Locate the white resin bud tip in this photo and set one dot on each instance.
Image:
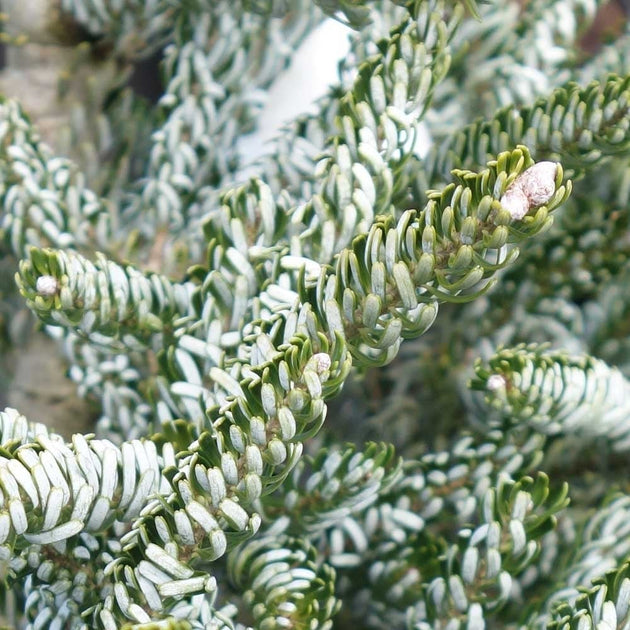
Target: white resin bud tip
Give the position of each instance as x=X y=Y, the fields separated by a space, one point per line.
x=532 y=188
x=47 y=286
x=515 y=202
x=496 y=382
x=322 y=362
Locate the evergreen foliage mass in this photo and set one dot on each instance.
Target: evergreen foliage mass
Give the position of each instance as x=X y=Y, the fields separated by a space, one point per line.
x=365 y=385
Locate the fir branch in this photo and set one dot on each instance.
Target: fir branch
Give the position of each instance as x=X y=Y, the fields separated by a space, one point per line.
x=478 y=572
x=53 y=490
x=116 y=380
x=579 y=126
x=291 y=166
x=212 y=96
x=250 y=217
x=377 y=120
x=283 y=583
x=206 y=514
x=555 y=394
x=461 y=234
x=65 y=289
x=368 y=520
x=604 y=546
x=329 y=221
x=398 y=538
x=60 y=581
x=605 y=605
x=510 y=57
x=328 y=489
x=44 y=198
x=46 y=202
x=445 y=250
x=365 y=168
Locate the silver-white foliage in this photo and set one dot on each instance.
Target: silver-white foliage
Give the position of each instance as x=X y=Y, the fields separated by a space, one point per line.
x=74 y=487
x=511 y=55
x=216 y=75
x=558 y=395
x=604 y=544
x=45 y=199
x=355 y=187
